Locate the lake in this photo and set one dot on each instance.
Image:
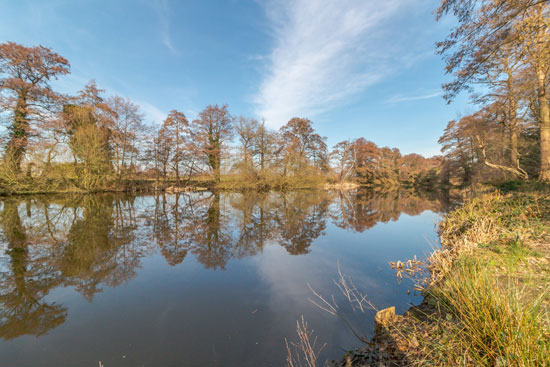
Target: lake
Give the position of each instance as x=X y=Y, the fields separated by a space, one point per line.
x=197 y=279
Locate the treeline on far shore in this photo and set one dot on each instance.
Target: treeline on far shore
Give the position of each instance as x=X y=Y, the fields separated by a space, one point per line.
x=92 y=142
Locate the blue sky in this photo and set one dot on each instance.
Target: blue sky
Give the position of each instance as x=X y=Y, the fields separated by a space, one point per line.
x=354 y=67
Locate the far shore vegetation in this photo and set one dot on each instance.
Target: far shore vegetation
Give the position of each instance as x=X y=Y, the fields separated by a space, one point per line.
x=90 y=142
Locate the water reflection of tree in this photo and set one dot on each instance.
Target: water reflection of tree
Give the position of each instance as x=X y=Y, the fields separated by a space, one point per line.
x=100 y=248
x=167 y=229
x=362 y=209
x=216 y=227
x=93 y=241
x=85 y=242
x=254 y=216
x=24 y=282
x=301 y=219
x=211 y=243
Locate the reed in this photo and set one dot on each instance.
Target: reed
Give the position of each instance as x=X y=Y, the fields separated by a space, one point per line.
x=492 y=323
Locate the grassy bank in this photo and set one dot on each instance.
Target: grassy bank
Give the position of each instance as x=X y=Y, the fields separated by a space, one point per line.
x=43 y=185
x=487 y=290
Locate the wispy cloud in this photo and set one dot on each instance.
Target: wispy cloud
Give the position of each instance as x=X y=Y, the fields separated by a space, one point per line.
x=326 y=52
x=426 y=95
x=151 y=112
x=162 y=9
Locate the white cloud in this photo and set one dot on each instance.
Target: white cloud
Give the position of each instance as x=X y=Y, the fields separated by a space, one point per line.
x=162 y=9
x=426 y=95
x=326 y=52
x=151 y=112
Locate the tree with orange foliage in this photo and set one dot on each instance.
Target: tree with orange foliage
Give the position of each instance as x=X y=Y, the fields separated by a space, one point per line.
x=303 y=145
x=26 y=94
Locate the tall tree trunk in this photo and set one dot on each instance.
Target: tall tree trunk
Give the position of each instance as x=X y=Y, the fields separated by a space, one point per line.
x=177 y=157
x=262 y=146
x=544 y=115
x=514 y=157
x=512 y=124
x=19 y=134
x=217 y=161
x=262 y=164
x=217 y=174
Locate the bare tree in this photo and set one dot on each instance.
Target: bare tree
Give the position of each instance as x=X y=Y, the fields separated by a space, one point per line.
x=247 y=131
x=177 y=127
x=209 y=131
x=128 y=125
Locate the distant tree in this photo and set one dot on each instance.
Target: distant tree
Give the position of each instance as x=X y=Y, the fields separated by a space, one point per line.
x=247 y=130
x=365 y=155
x=344 y=156
x=50 y=140
x=302 y=144
x=459 y=149
x=176 y=127
x=209 y=131
x=387 y=172
x=25 y=92
x=264 y=149
x=127 y=127
x=146 y=155
x=417 y=170
x=89 y=123
x=163 y=151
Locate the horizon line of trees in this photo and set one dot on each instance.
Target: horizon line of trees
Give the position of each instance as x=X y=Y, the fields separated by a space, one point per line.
x=94 y=142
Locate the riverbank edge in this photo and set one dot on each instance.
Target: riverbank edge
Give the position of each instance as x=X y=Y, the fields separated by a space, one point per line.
x=495 y=247
x=172 y=186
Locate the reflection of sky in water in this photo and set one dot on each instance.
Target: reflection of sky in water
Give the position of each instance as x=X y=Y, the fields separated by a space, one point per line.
x=192 y=315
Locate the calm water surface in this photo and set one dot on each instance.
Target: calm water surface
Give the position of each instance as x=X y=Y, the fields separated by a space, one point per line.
x=197 y=279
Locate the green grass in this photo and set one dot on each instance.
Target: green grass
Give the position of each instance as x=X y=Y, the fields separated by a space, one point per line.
x=497 y=321
x=488 y=294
